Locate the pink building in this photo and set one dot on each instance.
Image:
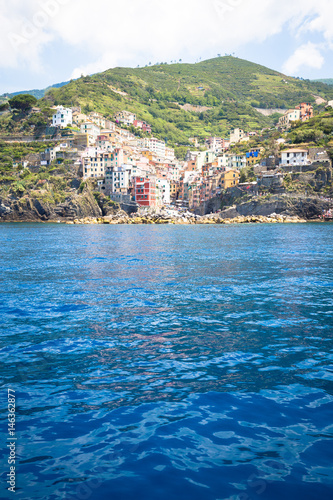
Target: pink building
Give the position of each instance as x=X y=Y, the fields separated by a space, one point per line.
x=142 y=125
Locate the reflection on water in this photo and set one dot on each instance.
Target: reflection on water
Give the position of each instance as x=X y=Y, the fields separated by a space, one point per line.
x=157 y=362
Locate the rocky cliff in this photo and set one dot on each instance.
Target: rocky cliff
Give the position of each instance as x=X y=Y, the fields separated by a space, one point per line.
x=310 y=207
x=31 y=209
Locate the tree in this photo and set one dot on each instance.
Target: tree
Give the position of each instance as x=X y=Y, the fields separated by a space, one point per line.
x=242 y=177
x=22 y=102
x=4 y=106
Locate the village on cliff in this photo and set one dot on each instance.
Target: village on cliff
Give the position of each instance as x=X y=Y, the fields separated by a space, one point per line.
x=144 y=170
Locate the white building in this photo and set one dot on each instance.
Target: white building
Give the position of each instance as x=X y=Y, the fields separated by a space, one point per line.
x=162 y=191
x=117 y=179
x=294 y=157
x=203 y=157
x=222 y=161
x=156 y=146
x=125 y=117
x=169 y=153
x=289 y=116
x=237 y=135
x=236 y=161
x=62 y=117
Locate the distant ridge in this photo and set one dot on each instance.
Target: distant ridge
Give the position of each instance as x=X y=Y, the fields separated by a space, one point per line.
x=38 y=93
x=328 y=81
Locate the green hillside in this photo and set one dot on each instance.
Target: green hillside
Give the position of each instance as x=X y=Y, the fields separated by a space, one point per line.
x=317 y=131
x=219 y=94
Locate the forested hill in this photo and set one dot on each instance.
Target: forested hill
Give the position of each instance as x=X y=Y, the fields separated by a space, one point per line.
x=182 y=100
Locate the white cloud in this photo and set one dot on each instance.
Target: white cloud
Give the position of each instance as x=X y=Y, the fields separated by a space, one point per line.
x=25 y=31
x=320 y=21
x=308 y=55
x=130 y=33
x=110 y=33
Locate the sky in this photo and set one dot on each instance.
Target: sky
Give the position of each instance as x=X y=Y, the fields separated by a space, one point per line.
x=43 y=42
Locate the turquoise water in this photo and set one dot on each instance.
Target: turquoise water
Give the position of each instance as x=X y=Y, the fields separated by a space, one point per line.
x=168 y=362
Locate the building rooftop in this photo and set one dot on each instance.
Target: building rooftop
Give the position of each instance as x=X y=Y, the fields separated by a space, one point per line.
x=296 y=150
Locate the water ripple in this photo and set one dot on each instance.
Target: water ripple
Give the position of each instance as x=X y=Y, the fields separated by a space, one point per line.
x=169 y=362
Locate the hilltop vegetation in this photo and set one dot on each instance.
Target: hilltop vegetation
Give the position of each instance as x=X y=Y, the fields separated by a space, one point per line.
x=218 y=94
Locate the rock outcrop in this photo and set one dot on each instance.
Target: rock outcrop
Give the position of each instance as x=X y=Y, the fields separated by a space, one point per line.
x=28 y=209
x=306 y=207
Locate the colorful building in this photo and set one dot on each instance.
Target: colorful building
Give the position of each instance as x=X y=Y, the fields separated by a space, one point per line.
x=306 y=111
x=142 y=125
x=253 y=157
x=145 y=191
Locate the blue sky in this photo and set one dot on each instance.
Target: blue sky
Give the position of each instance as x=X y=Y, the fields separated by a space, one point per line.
x=50 y=41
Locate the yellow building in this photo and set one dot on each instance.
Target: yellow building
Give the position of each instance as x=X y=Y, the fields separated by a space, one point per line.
x=174 y=189
x=148 y=154
x=230 y=178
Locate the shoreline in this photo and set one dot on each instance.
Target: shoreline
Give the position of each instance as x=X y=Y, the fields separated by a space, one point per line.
x=211 y=219
x=189 y=220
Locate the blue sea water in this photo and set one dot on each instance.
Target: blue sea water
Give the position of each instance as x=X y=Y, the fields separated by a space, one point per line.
x=168 y=362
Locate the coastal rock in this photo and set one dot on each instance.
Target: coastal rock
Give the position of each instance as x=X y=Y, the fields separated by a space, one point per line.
x=32 y=209
x=305 y=207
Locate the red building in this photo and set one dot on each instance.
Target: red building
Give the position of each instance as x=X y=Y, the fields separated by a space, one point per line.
x=145 y=191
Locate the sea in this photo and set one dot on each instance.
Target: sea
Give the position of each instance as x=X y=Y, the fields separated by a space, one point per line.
x=162 y=362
